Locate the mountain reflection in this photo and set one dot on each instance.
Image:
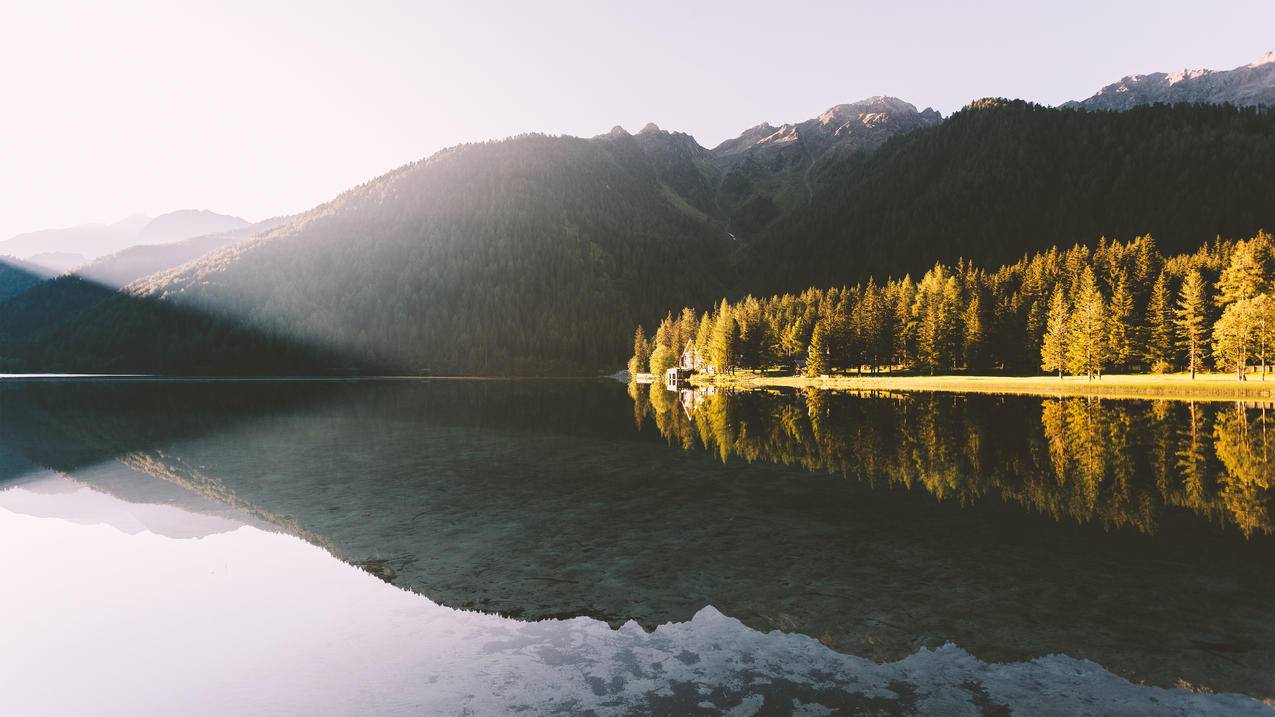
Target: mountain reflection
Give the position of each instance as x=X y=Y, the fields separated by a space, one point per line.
x=538 y=499
x=1115 y=463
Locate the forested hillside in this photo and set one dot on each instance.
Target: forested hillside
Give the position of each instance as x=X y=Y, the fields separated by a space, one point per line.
x=522 y=256
x=1002 y=178
x=18 y=276
x=537 y=255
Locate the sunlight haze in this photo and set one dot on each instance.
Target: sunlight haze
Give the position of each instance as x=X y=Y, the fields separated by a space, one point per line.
x=140 y=107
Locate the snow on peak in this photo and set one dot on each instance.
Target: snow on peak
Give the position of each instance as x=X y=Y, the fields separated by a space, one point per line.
x=1266 y=59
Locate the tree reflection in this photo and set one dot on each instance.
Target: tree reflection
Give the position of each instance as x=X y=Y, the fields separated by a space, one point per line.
x=1116 y=463
x=1241 y=445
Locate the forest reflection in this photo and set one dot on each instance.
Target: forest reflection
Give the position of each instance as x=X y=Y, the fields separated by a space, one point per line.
x=1115 y=463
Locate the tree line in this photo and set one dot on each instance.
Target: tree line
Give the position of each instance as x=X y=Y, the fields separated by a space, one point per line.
x=1118 y=307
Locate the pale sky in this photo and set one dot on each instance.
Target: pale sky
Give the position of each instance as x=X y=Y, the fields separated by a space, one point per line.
x=264 y=108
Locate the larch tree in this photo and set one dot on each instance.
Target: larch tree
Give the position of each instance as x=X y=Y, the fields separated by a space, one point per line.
x=935 y=314
x=1053 y=349
x=1191 y=320
x=1245 y=275
x=1159 y=346
x=905 y=325
x=973 y=335
x=723 y=344
x=641 y=353
x=1234 y=335
x=662 y=359
x=704 y=335
x=1264 y=330
x=1120 y=322
x=1087 y=336
x=817 y=354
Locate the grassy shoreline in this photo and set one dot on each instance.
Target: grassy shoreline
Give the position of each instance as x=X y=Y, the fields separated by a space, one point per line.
x=1205 y=387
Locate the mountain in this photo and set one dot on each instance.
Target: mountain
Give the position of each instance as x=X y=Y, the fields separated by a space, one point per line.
x=187 y=223
x=88 y=240
x=1002 y=178
x=17 y=276
x=1246 y=85
x=537 y=255
x=93 y=240
x=767 y=171
x=124 y=267
x=522 y=256
x=57 y=262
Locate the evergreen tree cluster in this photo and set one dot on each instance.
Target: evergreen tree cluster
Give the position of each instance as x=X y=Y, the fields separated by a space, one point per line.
x=1119 y=307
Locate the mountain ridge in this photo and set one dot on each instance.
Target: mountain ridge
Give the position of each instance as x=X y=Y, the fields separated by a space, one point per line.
x=1246 y=85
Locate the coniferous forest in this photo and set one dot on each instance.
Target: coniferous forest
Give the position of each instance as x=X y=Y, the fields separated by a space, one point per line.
x=537 y=255
x=1117 y=307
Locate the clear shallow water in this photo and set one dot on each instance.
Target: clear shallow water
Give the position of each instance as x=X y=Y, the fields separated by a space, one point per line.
x=195 y=544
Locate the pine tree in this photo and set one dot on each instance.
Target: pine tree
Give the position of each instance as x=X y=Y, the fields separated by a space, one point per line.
x=904 y=324
x=935 y=314
x=817 y=354
x=1053 y=350
x=704 y=335
x=973 y=334
x=723 y=344
x=870 y=321
x=1191 y=321
x=1120 y=321
x=1087 y=337
x=641 y=353
x=1159 y=346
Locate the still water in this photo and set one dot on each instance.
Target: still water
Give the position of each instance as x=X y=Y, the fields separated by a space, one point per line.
x=442 y=547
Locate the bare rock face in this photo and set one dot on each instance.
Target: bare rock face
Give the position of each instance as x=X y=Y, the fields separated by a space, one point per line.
x=768 y=170
x=1247 y=85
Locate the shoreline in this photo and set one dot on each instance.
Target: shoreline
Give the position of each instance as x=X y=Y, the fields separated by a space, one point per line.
x=1205 y=387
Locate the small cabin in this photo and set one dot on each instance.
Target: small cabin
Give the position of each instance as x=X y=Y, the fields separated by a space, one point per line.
x=690 y=359
x=677 y=377
x=695 y=361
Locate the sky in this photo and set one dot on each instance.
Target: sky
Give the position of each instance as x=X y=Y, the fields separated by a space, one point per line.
x=266 y=108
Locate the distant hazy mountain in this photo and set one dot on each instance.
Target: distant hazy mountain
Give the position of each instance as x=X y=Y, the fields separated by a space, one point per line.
x=1251 y=84
x=135 y=262
x=187 y=223
x=57 y=262
x=87 y=240
x=93 y=240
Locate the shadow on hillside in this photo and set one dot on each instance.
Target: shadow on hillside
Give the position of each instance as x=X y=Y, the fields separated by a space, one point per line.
x=69 y=324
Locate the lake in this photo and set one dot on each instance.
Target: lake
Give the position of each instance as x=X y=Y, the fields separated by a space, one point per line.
x=484 y=546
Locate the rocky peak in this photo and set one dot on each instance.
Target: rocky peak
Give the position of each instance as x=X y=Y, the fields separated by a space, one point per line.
x=1251 y=84
x=1266 y=59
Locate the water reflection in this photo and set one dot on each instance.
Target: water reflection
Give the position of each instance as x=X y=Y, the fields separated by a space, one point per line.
x=1114 y=463
x=116 y=607
x=538 y=500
